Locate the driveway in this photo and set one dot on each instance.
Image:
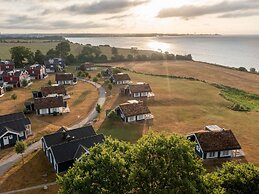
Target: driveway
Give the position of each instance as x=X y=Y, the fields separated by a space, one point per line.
x=9 y=162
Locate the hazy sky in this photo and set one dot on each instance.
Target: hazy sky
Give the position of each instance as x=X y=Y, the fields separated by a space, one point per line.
x=130 y=16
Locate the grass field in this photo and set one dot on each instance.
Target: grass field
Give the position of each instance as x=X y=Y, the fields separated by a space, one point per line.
x=202 y=71
x=36 y=170
x=83 y=99
x=183 y=106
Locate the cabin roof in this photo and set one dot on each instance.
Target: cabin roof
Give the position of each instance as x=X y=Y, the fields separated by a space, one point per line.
x=60 y=89
x=217 y=141
x=121 y=77
x=58 y=137
x=135 y=108
x=64 y=76
x=67 y=151
x=143 y=87
x=48 y=102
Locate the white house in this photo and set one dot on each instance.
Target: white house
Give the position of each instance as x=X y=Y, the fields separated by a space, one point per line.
x=65 y=79
x=215 y=142
x=133 y=111
x=138 y=90
x=50 y=105
x=120 y=79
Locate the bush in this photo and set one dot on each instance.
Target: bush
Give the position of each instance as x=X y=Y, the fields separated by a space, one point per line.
x=241 y=108
x=79 y=73
x=242 y=69
x=9 y=88
x=112 y=115
x=49 y=82
x=13 y=96
x=24 y=83
x=95 y=79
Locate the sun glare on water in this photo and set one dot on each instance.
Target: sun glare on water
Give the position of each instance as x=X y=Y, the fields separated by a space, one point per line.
x=158 y=46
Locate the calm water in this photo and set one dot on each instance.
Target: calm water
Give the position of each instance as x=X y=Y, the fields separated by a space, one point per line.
x=234 y=51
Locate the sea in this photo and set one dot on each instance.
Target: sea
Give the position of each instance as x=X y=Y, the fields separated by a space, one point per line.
x=233 y=51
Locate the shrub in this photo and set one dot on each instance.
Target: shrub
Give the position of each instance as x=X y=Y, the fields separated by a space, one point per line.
x=112 y=115
x=13 y=96
x=9 y=88
x=24 y=83
x=242 y=69
x=238 y=107
x=95 y=79
x=49 y=82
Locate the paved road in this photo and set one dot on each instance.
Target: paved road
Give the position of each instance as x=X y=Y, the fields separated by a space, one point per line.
x=9 y=162
x=30 y=188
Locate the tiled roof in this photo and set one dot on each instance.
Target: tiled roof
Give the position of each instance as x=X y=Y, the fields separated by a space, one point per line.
x=64 y=76
x=121 y=77
x=53 y=90
x=48 y=102
x=132 y=109
x=217 y=141
x=58 y=137
x=135 y=88
x=67 y=151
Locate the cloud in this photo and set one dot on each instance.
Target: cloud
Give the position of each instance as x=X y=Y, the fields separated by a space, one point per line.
x=104 y=7
x=118 y=17
x=224 y=7
x=240 y=14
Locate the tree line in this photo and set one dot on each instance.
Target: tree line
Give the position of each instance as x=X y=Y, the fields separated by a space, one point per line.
x=22 y=55
x=154 y=164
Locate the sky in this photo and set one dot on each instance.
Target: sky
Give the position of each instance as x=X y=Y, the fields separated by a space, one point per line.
x=130 y=16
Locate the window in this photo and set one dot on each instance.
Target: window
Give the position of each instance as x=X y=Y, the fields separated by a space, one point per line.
x=211 y=154
x=130 y=119
x=140 y=117
x=10 y=136
x=225 y=153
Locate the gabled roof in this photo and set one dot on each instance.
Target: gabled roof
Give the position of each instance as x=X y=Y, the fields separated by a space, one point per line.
x=11 y=117
x=58 y=137
x=64 y=76
x=217 y=141
x=49 y=102
x=60 y=89
x=34 y=66
x=66 y=151
x=121 y=77
x=133 y=109
x=80 y=151
x=143 y=87
x=4 y=129
x=17 y=125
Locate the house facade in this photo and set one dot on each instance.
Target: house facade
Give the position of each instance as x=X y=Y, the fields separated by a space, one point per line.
x=36 y=71
x=211 y=144
x=6 y=66
x=120 y=79
x=133 y=111
x=50 y=105
x=15 y=78
x=65 y=146
x=87 y=66
x=138 y=90
x=54 y=65
x=14 y=127
x=65 y=79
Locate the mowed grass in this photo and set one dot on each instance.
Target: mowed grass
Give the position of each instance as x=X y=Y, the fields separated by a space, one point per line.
x=202 y=71
x=36 y=170
x=183 y=106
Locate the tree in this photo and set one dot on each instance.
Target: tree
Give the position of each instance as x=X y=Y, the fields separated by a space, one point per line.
x=49 y=82
x=242 y=69
x=99 y=75
x=39 y=57
x=20 y=147
x=98 y=108
x=52 y=53
x=114 y=51
x=130 y=58
x=95 y=79
x=13 y=96
x=163 y=164
x=21 y=54
x=155 y=164
x=63 y=49
x=24 y=83
x=70 y=59
x=103 y=171
x=233 y=178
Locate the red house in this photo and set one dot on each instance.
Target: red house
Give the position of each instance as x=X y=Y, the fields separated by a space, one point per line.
x=36 y=71
x=15 y=78
x=6 y=66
